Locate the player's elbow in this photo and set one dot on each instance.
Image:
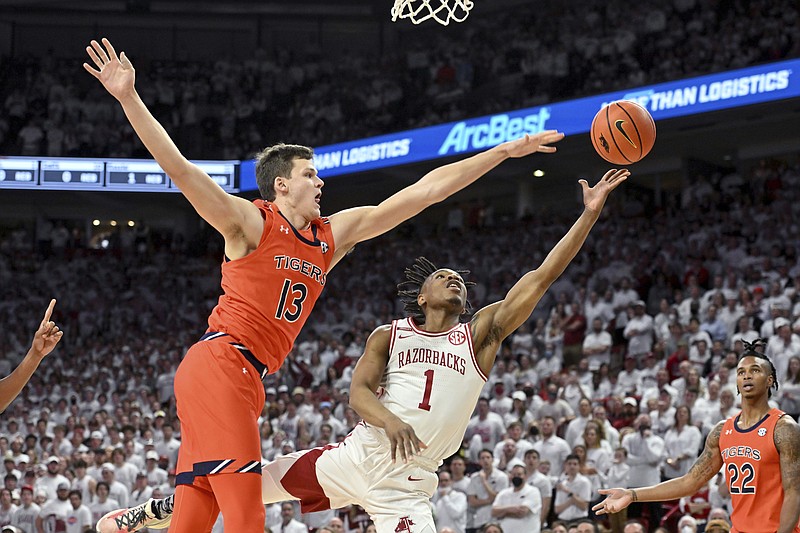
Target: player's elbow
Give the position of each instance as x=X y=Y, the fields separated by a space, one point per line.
x=180 y=170
x=360 y=394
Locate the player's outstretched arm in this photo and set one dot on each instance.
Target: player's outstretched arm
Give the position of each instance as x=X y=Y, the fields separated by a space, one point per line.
x=704 y=468
x=228 y=214
x=496 y=321
x=44 y=340
x=787 y=441
x=355 y=225
x=366 y=380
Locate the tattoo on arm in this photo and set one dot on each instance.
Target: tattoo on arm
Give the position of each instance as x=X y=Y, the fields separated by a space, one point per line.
x=787 y=441
x=709 y=462
x=493 y=336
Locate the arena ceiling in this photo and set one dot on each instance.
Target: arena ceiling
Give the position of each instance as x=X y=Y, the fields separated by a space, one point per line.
x=354 y=8
x=284 y=7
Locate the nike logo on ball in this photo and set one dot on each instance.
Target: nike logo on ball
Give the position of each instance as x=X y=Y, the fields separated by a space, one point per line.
x=624 y=133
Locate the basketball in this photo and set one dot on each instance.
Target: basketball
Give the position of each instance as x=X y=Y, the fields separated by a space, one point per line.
x=623 y=132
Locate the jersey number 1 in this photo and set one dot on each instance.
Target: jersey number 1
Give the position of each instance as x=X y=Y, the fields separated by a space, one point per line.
x=297 y=294
x=426 y=396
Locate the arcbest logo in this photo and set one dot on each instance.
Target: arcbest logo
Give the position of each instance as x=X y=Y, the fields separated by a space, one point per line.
x=495 y=130
x=704 y=93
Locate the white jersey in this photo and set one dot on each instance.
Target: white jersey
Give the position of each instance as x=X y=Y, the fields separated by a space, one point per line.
x=432 y=383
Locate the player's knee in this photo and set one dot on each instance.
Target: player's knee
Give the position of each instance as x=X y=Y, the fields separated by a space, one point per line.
x=245 y=516
x=271 y=490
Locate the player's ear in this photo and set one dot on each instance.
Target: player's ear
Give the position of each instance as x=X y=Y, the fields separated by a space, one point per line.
x=420 y=299
x=280 y=184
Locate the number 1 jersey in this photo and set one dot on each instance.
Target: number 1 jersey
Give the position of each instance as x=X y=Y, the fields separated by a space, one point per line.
x=432 y=383
x=269 y=293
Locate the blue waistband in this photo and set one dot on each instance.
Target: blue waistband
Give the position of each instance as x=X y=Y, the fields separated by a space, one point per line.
x=260 y=367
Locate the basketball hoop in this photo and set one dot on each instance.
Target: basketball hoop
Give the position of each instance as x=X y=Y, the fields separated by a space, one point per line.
x=422 y=10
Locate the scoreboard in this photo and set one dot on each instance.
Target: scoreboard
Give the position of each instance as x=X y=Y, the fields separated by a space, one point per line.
x=19 y=173
x=127 y=175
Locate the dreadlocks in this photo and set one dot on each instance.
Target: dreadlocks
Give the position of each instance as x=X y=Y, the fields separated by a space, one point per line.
x=750 y=350
x=408 y=290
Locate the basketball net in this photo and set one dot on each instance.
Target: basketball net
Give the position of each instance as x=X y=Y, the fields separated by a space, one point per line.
x=422 y=10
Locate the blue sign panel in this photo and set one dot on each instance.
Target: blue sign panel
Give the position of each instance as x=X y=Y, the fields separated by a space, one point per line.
x=763 y=83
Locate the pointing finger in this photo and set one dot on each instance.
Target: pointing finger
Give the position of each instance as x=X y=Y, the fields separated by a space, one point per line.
x=49 y=311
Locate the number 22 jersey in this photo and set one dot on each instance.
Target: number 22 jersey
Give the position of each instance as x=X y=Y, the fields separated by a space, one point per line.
x=432 y=383
x=753 y=474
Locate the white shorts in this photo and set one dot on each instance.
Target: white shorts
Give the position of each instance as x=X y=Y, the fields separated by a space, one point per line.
x=356 y=471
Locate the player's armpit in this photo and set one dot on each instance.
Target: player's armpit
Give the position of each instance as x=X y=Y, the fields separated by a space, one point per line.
x=710 y=461
x=486 y=336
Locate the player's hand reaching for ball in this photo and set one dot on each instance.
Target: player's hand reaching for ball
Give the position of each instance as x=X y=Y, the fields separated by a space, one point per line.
x=47 y=336
x=616 y=500
x=403 y=440
x=595 y=197
x=530 y=144
x=115 y=73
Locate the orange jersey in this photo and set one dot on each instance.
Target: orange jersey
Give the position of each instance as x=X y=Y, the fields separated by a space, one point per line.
x=269 y=293
x=753 y=474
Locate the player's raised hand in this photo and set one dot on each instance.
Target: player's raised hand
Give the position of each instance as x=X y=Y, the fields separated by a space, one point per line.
x=595 y=197
x=48 y=334
x=115 y=73
x=530 y=144
x=616 y=500
x=403 y=441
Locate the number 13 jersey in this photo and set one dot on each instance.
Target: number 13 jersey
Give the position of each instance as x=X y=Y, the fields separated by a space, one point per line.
x=753 y=473
x=432 y=383
x=269 y=293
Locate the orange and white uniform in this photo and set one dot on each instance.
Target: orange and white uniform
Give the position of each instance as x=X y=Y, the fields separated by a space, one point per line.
x=753 y=474
x=267 y=298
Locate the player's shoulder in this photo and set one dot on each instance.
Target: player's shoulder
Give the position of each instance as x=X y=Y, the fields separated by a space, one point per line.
x=381 y=334
x=263 y=204
x=716 y=432
x=787 y=431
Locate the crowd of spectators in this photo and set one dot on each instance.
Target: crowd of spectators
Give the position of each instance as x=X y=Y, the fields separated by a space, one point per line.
x=615 y=380
x=535 y=53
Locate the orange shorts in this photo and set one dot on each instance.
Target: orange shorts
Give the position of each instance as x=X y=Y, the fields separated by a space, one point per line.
x=220 y=396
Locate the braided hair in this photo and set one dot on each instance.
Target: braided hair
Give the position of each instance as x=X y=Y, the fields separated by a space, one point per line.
x=750 y=350
x=408 y=290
